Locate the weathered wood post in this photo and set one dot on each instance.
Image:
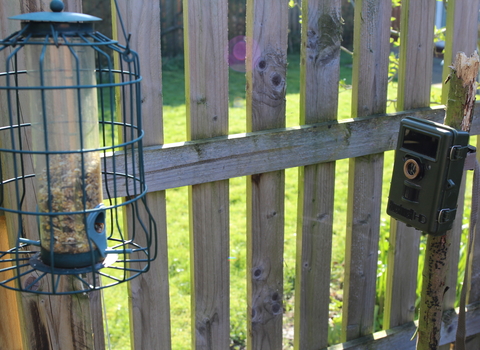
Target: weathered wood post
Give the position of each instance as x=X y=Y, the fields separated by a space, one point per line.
x=149 y=293
x=369 y=96
x=461 y=100
x=266 y=67
x=206 y=24
x=320 y=73
x=414 y=86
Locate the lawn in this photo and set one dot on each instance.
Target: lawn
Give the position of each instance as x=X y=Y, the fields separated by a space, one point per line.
x=177 y=215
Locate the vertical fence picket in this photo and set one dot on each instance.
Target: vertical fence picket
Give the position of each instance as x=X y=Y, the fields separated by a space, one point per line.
x=461 y=35
x=206 y=82
x=10 y=330
x=474 y=295
x=321 y=38
x=266 y=81
x=149 y=293
x=453 y=257
x=11 y=336
x=370 y=70
x=414 y=85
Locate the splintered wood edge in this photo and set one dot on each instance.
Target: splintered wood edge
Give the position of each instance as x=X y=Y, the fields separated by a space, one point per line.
x=466 y=68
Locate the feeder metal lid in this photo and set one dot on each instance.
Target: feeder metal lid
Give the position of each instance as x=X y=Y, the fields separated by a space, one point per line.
x=64 y=17
x=56 y=16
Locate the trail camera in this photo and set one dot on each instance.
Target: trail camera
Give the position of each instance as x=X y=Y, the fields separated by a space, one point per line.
x=427 y=174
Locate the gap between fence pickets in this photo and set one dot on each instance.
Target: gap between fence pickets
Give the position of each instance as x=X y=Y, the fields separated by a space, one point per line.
x=194 y=162
x=402 y=337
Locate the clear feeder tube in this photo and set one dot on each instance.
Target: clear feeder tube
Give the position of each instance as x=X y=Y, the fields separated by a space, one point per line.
x=64 y=115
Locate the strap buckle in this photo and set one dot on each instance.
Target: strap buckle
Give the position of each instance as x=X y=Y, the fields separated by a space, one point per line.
x=446 y=215
x=458 y=152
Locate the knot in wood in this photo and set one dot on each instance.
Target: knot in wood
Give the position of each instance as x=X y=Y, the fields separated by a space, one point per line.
x=269 y=78
x=31 y=283
x=323 y=45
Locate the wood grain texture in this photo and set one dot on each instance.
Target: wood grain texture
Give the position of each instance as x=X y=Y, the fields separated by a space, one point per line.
x=10 y=330
x=206 y=75
x=441 y=251
x=474 y=295
x=206 y=70
x=461 y=34
x=265 y=210
x=414 y=85
x=209 y=220
x=459 y=115
x=400 y=337
x=28 y=6
x=416 y=54
x=320 y=66
x=149 y=293
x=266 y=82
x=450 y=297
x=200 y=161
x=370 y=78
x=266 y=64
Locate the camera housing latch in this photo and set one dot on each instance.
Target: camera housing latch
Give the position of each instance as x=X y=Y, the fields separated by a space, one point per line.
x=446 y=215
x=458 y=152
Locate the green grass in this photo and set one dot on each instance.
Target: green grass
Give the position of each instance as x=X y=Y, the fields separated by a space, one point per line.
x=177 y=219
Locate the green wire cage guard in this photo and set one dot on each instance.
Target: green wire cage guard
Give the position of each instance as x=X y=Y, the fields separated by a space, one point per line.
x=71 y=158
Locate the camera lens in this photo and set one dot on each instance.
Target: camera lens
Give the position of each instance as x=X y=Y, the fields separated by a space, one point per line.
x=411 y=169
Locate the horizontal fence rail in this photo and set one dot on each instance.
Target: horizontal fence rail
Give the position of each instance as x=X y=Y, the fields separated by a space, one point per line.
x=205 y=160
x=401 y=337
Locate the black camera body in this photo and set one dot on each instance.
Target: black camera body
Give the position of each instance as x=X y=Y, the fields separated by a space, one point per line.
x=427 y=174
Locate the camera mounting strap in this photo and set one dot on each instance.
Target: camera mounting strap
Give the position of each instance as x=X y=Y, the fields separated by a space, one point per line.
x=446 y=215
x=458 y=152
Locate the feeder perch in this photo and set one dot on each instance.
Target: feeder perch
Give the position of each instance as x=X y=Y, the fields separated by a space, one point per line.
x=71 y=136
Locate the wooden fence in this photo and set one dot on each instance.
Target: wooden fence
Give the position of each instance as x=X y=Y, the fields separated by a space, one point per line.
x=210 y=157
x=172 y=21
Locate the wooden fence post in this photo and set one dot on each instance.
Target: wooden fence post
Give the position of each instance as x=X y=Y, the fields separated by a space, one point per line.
x=149 y=298
x=414 y=86
x=459 y=115
x=10 y=330
x=267 y=24
x=206 y=85
x=320 y=70
x=461 y=34
x=369 y=96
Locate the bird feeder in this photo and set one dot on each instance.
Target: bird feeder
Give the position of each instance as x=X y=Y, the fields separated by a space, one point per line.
x=71 y=157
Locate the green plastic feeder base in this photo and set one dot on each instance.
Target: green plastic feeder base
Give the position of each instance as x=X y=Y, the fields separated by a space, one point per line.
x=70 y=261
